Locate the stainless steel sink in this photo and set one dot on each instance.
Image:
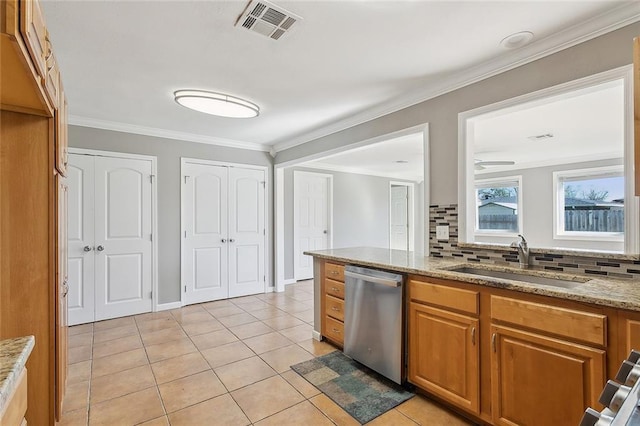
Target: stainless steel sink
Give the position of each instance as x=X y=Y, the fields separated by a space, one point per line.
x=519 y=276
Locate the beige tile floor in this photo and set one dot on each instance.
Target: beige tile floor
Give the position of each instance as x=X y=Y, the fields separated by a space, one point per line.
x=219 y=363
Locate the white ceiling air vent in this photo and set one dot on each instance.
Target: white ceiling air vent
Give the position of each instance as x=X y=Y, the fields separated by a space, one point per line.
x=267 y=19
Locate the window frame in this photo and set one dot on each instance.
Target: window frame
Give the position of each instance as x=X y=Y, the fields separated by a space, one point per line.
x=506 y=181
x=559 y=178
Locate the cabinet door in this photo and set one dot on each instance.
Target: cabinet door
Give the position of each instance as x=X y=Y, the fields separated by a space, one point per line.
x=62 y=140
x=34 y=33
x=62 y=290
x=537 y=380
x=443 y=354
x=52 y=80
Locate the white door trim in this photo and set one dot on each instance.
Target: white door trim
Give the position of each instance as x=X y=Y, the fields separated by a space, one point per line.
x=154 y=207
x=267 y=213
x=296 y=179
x=411 y=230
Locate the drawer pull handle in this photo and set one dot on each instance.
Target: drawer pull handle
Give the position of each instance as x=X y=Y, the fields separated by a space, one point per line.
x=333 y=308
x=493 y=342
x=335 y=330
x=334 y=289
x=473 y=336
x=333 y=272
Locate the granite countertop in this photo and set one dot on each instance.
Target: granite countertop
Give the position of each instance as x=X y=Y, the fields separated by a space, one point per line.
x=13 y=356
x=615 y=293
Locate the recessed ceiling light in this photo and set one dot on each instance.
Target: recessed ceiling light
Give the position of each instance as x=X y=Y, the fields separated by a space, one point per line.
x=516 y=40
x=216 y=104
x=401 y=161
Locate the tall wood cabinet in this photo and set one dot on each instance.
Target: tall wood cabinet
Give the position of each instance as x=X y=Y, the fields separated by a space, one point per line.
x=33 y=203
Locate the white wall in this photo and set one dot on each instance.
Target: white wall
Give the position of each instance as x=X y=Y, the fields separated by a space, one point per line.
x=537 y=205
x=360 y=212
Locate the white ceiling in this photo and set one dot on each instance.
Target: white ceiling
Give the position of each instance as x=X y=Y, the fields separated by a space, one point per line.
x=344 y=63
x=380 y=159
x=586 y=125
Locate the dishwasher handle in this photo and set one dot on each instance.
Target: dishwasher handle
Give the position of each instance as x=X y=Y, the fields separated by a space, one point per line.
x=369 y=278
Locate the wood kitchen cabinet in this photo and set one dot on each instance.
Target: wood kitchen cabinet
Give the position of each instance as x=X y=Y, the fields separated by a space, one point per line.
x=62 y=138
x=33 y=204
x=508 y=358
x=443 y=344
x=62 y=289
x=443 y=354
x=539 y=380
x=332 y=302
x=548 y=363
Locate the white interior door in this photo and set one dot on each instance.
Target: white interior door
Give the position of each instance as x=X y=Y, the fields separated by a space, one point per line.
x=80 y=180
x=311 y=219
x=123 y=226
x=399 y=217
x=205 y=239
x=246 y=231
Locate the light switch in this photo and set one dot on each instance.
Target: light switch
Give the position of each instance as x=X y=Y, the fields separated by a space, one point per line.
x=442 y=232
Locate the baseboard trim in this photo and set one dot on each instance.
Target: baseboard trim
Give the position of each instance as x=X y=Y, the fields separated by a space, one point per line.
x=168 y=306
x=316 y=335
x=290 y=281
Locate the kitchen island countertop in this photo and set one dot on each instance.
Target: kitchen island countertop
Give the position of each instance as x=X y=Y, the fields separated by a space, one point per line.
x=603 y=291
x=13 y=357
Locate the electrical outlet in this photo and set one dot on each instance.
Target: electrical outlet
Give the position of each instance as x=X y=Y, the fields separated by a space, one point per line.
x=442 y=232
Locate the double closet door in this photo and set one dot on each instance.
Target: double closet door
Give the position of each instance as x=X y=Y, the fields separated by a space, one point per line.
x=109 y=237
x=223 y=235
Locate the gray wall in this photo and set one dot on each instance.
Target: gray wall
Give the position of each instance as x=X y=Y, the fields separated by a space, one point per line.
x=537 y=203
x=603 y=53
x=360 y=212
x=168 y=152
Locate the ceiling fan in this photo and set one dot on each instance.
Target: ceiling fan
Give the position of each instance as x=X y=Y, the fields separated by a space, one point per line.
x=482 y=164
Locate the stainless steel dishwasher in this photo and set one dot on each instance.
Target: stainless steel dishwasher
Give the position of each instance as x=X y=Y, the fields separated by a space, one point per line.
x=373 y=320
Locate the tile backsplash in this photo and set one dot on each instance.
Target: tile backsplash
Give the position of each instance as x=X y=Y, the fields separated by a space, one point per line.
x=448 y=215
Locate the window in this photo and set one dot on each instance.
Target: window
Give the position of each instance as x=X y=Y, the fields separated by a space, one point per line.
x=498 y=206
x=589 y=204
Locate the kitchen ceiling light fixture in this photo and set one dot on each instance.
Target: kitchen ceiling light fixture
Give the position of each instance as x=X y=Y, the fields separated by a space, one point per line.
x=216 y=104
x=516 y=40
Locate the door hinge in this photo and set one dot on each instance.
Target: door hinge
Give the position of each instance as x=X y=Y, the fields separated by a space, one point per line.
x=150 y=237
x=185 y=234
x=151 y=294
x=264 y=278
x=264 y=184
x=185 y=178
x=264 y=231
x=151 y=178
x=185 y=288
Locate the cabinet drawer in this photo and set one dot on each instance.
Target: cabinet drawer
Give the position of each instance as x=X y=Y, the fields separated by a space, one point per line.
x=334 y=272
x=569 y=323
x=334 y=307
x=334 y=288
x=334 y=330
x=441 y=295
x=16 y=406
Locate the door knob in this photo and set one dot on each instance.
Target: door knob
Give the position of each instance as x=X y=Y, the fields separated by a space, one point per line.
x=87 y=248
x=224 y=240
x=99 y=248
x=325 y=232
x=231 y=240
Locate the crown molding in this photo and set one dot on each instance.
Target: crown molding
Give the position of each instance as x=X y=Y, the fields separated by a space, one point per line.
x=358 y=171
x=162 y=133
x=599 y=25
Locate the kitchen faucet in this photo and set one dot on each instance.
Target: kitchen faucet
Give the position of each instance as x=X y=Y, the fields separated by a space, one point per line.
x=523 y=251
